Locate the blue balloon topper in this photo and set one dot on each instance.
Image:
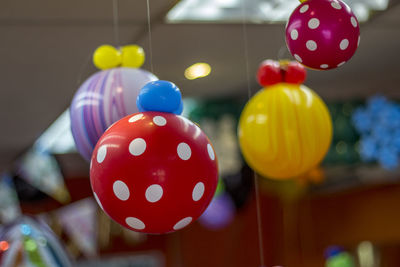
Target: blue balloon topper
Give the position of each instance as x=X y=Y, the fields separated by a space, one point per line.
x=162 y=96
x=333 y=251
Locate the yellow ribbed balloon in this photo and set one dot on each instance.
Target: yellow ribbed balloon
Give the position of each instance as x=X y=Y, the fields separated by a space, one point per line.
x=284 y=131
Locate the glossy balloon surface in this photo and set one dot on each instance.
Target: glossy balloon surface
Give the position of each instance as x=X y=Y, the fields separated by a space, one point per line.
x=322 y=34
x=295 y=73
x=269 y=73
x=132 y=56
x=106 y=57
x=284 y=131
x=154 y=172
x=102 y=99
x=163 y=96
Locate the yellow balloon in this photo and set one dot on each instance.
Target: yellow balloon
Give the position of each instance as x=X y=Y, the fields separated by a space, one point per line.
x=132 y=56
x=106 y=57
x=284 y=131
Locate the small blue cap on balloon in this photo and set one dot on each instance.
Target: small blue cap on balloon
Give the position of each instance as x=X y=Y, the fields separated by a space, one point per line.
x=162 y=96
x=333 y=251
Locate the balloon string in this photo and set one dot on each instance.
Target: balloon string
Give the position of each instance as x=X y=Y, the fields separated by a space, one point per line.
x=115 y=23
x=259 y=220
x=256 y=186
x=150 y=41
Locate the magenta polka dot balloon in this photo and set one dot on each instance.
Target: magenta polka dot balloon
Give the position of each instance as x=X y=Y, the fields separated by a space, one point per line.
x=322 y=34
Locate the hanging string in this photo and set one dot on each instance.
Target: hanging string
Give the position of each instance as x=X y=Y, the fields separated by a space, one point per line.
x=150 y=41
x=256 y=186
x=85 y=67
x=115 y=23
x=283 y=53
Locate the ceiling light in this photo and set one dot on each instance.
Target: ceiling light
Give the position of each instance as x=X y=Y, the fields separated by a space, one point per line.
x=198 y=70
x=255 y=11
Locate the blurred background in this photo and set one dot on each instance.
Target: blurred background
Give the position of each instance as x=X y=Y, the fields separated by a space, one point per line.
x=343 y=213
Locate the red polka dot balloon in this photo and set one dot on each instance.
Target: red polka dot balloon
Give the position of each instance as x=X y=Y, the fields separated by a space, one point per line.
x=154 y=172
x=322 y=34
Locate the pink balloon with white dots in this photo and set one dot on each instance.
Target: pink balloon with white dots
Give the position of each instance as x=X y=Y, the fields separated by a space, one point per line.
x=322 y=34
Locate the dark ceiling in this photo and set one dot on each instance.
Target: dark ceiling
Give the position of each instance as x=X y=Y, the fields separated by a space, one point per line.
x=46 y=47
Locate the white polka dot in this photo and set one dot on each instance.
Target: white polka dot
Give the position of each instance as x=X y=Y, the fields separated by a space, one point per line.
x=298 y=58
x=98 y=200
x=101 y=153
x=311 y=45
x=137 y=146
x=304 y=8
x=336 y=5
x=313 y=23
x=183 y=223
x=154 y=193
x=358 y=42
x=135 y=223
x=121 y=190
x=344 y=44
x=184 y=151
x=353 y=22
x=159 y=120
x=324 y=66
x=341 y=64
x=211 y=153
x=294 y=34
x=135 y=117
x=198 y=191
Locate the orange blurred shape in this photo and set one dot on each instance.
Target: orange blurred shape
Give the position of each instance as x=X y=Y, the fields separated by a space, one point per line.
x=4 y=245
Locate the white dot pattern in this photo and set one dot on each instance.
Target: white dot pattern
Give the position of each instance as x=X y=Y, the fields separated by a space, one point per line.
x=336 y=5
x=353 y=22
x=324 y=66
x=294 y=34
x=358 y=42
x=121 y=190
x=210 y=151
x=159 y=121
x=198 y=191
x=137 y=146
x=341 y=64
x=135 y=223
x=313 y=23
x=154 y=193
x=135 y=117
x=344 y=44
x=311 y=45
x=183 y=223
x=184 y=151
x=101 y=153
x=298 y=58
x=304 y=9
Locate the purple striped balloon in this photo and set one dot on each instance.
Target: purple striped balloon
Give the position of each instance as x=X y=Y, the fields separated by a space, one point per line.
x=104 y=98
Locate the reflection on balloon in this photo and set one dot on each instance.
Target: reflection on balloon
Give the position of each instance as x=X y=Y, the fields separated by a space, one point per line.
x=161 y=96
x=284 y=130
x=154 y=171
x=322 y=34
x=104 y=98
